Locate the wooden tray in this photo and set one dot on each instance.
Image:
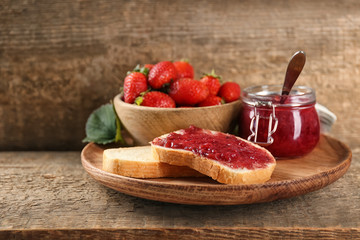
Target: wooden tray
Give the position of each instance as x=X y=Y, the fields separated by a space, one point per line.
x=328 y=162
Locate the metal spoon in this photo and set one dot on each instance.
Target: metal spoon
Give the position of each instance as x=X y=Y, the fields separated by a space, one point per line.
x=295 y=66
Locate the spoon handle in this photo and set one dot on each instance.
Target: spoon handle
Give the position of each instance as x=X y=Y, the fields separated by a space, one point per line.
x=293 y=71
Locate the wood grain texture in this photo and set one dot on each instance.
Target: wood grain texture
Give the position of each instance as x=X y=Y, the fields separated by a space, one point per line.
x=187 y=234
x=48 y=195
x=60 y=60
x=291 y=177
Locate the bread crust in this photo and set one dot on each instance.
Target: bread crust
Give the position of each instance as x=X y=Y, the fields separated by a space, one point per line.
x=144 y=169
x=213 y=168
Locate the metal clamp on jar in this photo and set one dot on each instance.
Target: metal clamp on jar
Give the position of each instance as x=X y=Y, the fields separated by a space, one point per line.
x=254 y=125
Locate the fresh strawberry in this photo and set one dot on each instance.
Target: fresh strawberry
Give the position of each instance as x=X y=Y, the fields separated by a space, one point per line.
x=156 y=99
x=162 y=73
x=134 y=84
x=188 y=91
x=149 y=66
x=211 y=100
x=230 y=91
x=212 y=81
x=184 y=69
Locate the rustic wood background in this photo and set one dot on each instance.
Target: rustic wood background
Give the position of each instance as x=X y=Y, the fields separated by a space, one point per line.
x=60 y=60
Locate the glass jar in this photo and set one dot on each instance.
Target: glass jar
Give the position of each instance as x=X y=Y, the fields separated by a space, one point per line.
x=287 y=126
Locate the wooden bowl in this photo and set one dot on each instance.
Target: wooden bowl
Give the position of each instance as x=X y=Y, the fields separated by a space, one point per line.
x=146 y=123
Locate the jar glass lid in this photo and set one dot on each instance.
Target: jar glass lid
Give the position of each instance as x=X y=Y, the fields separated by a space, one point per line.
x=299 y=95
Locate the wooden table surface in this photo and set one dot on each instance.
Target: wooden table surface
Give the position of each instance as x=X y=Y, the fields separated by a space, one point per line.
x=49 y=195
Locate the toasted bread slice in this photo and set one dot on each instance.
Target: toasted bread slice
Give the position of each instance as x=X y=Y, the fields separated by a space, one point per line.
x=218 y=170
x=138 y=162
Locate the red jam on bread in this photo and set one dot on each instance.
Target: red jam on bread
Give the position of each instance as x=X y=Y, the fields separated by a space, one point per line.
x=227 y=149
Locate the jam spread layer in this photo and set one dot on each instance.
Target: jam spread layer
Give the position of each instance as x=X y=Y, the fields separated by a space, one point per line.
x=227 y=149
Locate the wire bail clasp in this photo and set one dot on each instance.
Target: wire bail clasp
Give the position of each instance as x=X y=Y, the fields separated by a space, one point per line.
x=254 y=125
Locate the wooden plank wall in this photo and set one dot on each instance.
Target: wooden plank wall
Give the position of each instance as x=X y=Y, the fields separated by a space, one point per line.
x=59 y=60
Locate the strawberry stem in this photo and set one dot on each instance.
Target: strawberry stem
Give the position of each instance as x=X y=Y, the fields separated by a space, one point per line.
x=138 y=101
x=212 y=74
x=140 y=69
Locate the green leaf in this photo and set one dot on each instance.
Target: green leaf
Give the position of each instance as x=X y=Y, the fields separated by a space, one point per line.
x=139 y=69
x=145 y=71
x=212 y=74
x=101 y=126
x=138 y=101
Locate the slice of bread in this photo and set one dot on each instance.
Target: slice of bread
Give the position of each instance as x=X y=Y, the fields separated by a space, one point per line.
x=138 y=162
x=213 y=168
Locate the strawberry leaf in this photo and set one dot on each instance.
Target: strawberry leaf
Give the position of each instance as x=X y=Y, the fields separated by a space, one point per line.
x=165 y=88
x=212 y=74
x=140 y=69
x=145 y=71
x=138 y=101
x=137 y=68
x=103 y=126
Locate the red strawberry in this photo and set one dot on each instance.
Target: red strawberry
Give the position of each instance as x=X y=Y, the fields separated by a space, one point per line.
x=230 y=91
x=211 y=101
x=188 y=91
x=184 y=69
x=161 y=73
x=134 y=84
x=156 y=99
x=212 y=81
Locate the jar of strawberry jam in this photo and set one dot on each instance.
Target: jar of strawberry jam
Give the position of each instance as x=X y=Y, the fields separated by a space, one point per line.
x=287 y=126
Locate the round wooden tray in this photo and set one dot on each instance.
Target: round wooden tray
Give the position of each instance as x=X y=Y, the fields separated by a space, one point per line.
x=325 y=164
